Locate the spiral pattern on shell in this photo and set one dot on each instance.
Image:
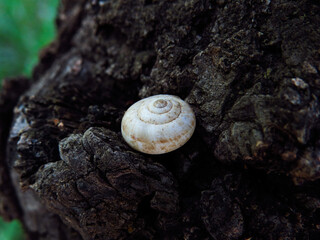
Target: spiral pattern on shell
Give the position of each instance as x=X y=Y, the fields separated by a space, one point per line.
x=158 y=124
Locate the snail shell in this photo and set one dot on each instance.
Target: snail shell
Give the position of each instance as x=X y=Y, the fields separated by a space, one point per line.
x=158 y=124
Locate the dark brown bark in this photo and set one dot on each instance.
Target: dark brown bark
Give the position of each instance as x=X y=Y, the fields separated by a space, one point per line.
x=250 y=70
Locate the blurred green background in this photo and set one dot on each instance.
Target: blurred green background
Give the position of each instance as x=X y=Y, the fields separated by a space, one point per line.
x=11 y=231
x=26 y=26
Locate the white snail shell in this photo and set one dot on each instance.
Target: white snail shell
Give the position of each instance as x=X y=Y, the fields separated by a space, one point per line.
x=158 y=124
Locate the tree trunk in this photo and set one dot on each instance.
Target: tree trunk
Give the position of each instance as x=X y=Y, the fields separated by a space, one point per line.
x=249 y=69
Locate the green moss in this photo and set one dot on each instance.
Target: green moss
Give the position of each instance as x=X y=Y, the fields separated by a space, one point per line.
x=267 y=73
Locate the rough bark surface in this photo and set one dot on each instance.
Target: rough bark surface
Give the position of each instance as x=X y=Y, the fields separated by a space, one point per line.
x=249 y=69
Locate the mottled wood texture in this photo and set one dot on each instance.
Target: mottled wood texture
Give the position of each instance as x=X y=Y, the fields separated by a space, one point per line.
x=249 y=69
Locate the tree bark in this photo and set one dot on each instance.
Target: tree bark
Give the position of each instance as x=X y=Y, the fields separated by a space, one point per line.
x=249 y=69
